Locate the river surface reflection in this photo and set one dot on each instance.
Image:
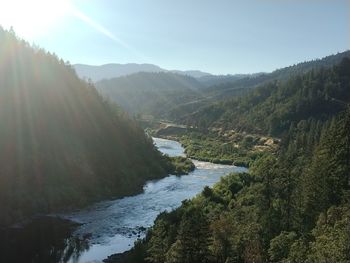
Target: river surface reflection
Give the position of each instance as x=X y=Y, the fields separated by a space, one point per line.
x=108 y=227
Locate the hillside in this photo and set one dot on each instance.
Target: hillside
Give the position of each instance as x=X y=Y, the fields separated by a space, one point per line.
x=234 y=86
x=156 y=94
x=61 y=144
x=197 y=74
x=271 y=108
x=213 y=80
x=173 y=94
x=293 y=206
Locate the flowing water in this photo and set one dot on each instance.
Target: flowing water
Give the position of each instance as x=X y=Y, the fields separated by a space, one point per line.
x=113 y=226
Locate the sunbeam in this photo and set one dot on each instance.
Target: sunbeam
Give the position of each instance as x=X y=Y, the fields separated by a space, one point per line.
x=32 y=18
x=101 y=29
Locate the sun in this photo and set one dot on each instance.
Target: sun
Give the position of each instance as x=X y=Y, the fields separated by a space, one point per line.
x=31 y=18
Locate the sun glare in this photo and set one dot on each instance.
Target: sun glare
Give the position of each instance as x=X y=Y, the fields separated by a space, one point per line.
x=30 y=18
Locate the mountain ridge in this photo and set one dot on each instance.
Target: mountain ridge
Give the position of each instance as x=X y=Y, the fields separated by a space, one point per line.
x=115 y=70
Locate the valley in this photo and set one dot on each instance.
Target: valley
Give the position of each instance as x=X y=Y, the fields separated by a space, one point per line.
x=226 y=141
x=291 y=128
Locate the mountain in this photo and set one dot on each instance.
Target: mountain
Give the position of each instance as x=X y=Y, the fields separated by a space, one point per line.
x=156 y=94
x=272 y=107
x=61 y=144
x=165 y=94
x=109 y=71
x=192 y=73
x=218 y=89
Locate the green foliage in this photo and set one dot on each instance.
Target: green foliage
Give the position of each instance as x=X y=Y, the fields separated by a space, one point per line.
x=191 y=245
x=217 y=148
x=299 y=250
x=328 y=175
x=159 y=243
x=280 y=245
x=222 y=243
x=331 y=236
x=179 y=165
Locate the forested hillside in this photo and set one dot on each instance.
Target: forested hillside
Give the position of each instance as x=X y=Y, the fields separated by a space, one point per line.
x=156 y=94
x=169 y=95
x=61 y=143
x=292 y=206
x=273 y=107
x=218 y=90
x=242 y=85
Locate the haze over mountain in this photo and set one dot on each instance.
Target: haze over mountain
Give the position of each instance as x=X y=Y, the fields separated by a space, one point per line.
x=114 y=70
x=174 y=95
x=109 y=71
x=150 y=93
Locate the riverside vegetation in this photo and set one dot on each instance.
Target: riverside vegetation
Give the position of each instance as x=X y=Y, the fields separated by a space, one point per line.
x=214 y=144
x=292 y=206
x=222 y=147
x=179 y=165
x=227 y=147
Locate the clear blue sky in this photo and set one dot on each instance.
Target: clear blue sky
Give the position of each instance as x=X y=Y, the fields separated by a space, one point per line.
x=222 y=36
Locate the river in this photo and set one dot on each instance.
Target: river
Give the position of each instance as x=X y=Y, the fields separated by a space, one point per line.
x=108 y=227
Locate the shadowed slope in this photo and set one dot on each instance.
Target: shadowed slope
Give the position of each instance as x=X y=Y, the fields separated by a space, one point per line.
x=61 y=144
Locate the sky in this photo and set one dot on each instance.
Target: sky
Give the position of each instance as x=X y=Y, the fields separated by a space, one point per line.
x=220 y=37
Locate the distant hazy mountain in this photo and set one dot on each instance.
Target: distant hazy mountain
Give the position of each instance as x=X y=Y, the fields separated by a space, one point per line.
x=109 y=71
x=149 y=93
x=211 y=80
x=193 y=73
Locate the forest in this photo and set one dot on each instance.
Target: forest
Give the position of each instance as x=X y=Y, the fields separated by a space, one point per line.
x=293 y=205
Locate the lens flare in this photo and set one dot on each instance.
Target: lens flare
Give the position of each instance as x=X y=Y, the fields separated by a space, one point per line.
x=32 y=18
